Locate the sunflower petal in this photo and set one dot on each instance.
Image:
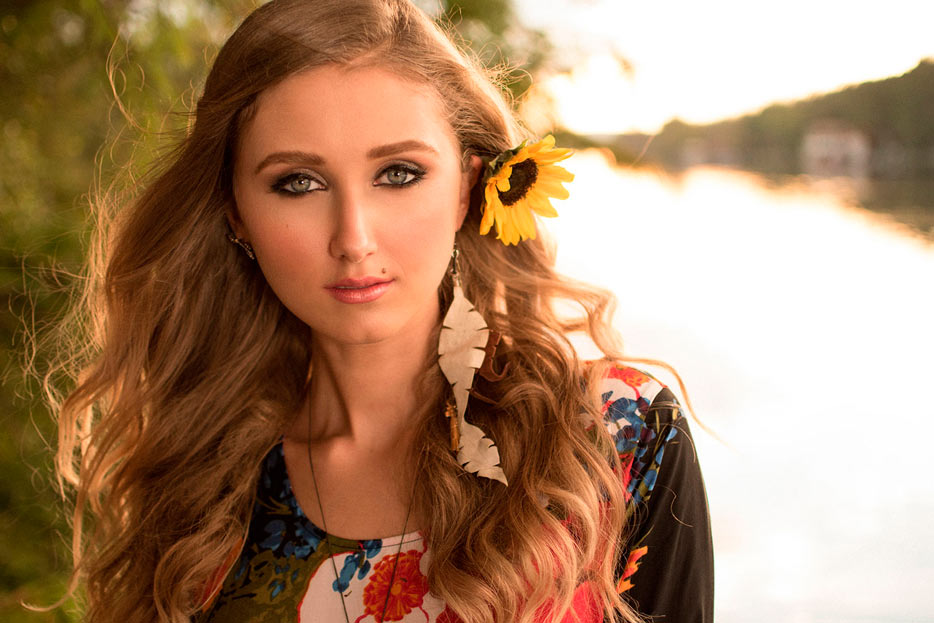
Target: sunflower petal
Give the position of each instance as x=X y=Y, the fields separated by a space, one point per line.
x=515 y=234
x=491 y=207
x=548 y=142
x=555 y=172
x=554 y=155
x=546 y=210
x=541 y=204
x=522 y=154
x=552 y=189
x=525 y=222
x=502 y=183
x=502 y=230
x=510 y=234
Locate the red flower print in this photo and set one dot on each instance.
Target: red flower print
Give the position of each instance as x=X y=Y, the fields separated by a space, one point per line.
x=584 y=608
x=214 y=583
x=406 y=593
x=632 y=564
x=448 y=616
x=631 y=377
x=625 y=465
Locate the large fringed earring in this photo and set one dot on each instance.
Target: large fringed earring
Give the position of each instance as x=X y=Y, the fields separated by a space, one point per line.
x=461 y=350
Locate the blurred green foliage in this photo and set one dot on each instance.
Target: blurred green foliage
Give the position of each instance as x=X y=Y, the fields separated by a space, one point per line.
x=493 y=32
x=60 y=131
x=56 y=115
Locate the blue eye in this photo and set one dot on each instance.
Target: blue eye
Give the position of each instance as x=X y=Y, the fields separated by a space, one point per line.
x=296 y=184
x=400 y=175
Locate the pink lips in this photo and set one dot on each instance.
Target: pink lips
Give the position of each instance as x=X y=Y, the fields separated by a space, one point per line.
x=361 y=290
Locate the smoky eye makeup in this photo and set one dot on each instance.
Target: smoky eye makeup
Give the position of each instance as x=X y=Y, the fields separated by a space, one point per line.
x=395 y=175
x=400 y=175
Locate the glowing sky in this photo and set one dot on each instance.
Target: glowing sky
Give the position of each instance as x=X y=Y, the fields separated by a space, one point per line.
x=703 y=61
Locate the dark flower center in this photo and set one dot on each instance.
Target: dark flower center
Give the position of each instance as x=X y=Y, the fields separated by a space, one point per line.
x=521 y=179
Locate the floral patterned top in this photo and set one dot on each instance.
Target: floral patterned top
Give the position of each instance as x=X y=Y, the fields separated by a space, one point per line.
x=285 y=573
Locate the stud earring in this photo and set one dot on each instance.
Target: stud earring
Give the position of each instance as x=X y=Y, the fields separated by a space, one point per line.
x=243 y=244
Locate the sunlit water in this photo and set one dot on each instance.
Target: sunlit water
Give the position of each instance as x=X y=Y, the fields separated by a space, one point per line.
x=803 y=328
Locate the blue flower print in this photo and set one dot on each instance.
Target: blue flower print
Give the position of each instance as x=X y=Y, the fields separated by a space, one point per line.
x=275 y=530
x=276 y=587
x=342 y=582
x=357 y=561
x=308 y=539
x=372 y=547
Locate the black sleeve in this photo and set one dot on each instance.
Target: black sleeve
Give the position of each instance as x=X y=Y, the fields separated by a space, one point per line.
x=666 y=569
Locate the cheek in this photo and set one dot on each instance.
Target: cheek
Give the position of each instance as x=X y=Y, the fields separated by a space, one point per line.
x=425 y=260
x=292 y=257
x=426 y=237
x=286 y=249
x=278 y=235
x=283 y=231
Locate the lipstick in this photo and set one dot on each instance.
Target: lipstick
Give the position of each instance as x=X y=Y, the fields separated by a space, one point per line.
x=363 y=290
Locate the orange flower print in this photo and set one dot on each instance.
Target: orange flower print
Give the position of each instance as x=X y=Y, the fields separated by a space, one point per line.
x=406 y=593
x=632 y=564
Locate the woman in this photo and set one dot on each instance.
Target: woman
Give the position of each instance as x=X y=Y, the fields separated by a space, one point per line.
x=284 y=419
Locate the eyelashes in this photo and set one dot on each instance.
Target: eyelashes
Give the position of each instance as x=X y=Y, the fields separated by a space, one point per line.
x=396 y=176
x=411 y=175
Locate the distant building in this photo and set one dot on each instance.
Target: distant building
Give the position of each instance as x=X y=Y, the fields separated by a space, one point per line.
x=833 y=147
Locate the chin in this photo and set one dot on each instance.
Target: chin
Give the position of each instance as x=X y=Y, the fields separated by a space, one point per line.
x=408 y=328
x=358 y=333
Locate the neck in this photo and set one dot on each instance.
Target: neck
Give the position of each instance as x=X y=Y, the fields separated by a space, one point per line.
x=368 y=394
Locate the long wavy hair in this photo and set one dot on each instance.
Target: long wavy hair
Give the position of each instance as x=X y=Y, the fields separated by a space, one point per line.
x=191 y=368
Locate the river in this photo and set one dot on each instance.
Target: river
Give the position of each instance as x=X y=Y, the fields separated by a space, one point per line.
x=802 y=325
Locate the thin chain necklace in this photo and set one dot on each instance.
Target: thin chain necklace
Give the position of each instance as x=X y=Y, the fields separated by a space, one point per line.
x=327 y=535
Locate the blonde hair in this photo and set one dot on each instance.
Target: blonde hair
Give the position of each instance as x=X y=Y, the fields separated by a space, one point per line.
x=192 y=367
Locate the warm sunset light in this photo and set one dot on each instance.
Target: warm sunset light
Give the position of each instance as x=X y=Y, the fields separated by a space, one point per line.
x=706 y=61
x=753 y=181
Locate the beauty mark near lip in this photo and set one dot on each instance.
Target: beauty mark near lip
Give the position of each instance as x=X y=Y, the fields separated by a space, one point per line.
x=358 y=290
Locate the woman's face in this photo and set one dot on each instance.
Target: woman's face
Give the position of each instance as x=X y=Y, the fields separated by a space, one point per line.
x=349 y=185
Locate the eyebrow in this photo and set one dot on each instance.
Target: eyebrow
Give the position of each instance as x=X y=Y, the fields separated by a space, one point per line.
x=314 y=159
x=395 y=148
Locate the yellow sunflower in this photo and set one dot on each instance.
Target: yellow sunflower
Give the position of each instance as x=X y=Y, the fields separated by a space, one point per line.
x=522 y=181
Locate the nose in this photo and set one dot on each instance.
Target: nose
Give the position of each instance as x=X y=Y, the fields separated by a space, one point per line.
x=352 y=239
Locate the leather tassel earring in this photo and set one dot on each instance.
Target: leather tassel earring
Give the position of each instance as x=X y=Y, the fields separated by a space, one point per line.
x=450 y=412
x=464 y=335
